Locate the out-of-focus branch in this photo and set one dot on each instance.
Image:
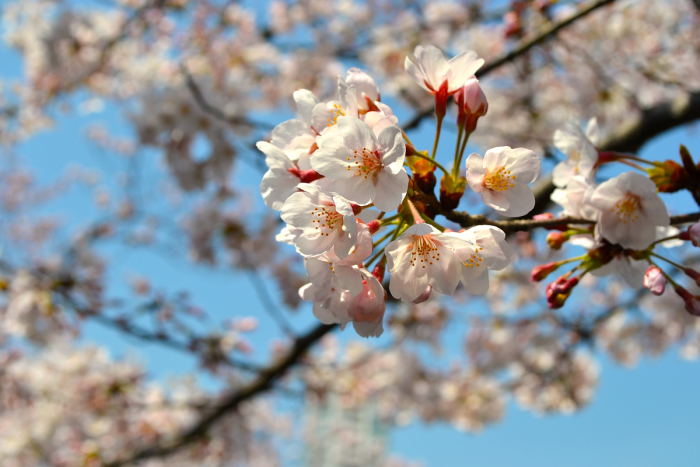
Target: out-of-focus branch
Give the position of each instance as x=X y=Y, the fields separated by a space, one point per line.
x=215 y=112
x=145 y=335
x=524 y=46
x=262 y=383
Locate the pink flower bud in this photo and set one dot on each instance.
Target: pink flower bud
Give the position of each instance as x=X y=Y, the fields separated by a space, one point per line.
x=694 y=234
x=424 y=296
x=654 y=280
x=472 y=98
x=556 y=239
x=558 y=291
x=542 y=271
x=692 y=302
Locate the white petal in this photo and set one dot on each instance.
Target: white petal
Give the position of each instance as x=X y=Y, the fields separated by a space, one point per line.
x=463 y=67
x=524 y=164
x=521 y=199
x=357 y=134
x=415 y=73
x=305 y=101
x=432 y=62
x=475 y=172
x=390 y=190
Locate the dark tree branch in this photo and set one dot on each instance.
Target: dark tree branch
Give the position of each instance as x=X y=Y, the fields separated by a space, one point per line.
x=262 y=383
x=521 y=49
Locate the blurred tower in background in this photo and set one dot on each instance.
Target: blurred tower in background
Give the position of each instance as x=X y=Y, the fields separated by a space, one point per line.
x=344 y=437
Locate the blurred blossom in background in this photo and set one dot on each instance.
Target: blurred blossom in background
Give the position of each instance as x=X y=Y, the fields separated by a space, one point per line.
x=166 y=298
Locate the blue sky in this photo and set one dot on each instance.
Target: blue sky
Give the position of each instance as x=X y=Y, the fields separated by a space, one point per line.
x=648 y=416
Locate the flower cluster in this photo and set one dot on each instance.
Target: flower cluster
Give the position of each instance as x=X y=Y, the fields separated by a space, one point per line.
x=341 y=157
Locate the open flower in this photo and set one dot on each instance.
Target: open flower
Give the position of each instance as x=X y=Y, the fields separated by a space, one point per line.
x=629 y=210
x=366 y=88
x=431 y=69
x=501 y=177
x=579 y=149
x=486 y=249
x=364 y=168
x=325 y=115
x=326 y=221
x=296 y=137
x=420 y=257
x=631 y=270
x=278 y=183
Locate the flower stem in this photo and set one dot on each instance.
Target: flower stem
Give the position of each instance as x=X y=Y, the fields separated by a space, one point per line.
x=682 y=268
x=455 y=167
x=428 y=220
x=438 y=130
x=663 y=240
x=434 y=162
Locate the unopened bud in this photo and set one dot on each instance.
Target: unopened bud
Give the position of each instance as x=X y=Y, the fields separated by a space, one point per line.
x=692 y=302
x=373 y=226
x=669 y=176
x=543 y=270
x=693 y=274
x=423 y=296
x=556 y=239
x=654 y=280
x=558 y=291
x=451 y=191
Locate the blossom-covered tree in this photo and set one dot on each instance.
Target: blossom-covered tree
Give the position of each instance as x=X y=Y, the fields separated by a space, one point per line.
x=349 y=224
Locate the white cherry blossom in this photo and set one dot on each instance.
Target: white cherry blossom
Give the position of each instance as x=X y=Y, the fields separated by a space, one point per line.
x=579 y=149
x=431 y=69
x=486 y=250
x=365 y=168
x=631 y=270
x=420 y=257
x=366 y=88
x=325 y=115
x=574 y=198
x=278 y=183
x=629 y=210
x=501 y=177
x=325 y=219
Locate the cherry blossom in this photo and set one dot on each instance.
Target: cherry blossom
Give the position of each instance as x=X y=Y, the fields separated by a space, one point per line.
x=487 y=250
x=365 y=168
x=472 y=99
x=431 y=71
x=580 y=151
x=501 y=177
x=366 y=88
x=629 y=210
x=423 y=256
x=325 y=219
x=279 y=182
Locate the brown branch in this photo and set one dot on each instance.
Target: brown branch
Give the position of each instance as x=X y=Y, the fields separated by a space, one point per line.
x=262 y=383
x=467 y=220
x=522 y=48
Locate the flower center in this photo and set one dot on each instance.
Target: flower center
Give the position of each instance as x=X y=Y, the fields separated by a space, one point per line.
x=575 y=157
x=627 y=208
x=367 y=163
x=424 y=249
x=327 y=220
x=336 y=111
x=499 y=180
x=474 y=260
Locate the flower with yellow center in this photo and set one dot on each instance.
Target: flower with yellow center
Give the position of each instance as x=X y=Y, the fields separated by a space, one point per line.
x=502 y=178
x=629 y=210
x=364 y=167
